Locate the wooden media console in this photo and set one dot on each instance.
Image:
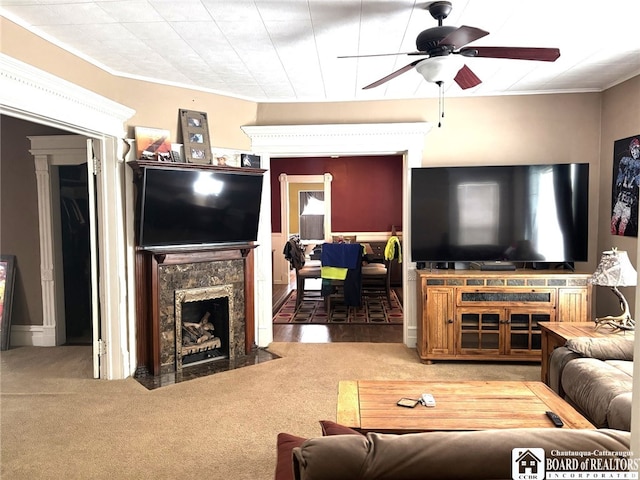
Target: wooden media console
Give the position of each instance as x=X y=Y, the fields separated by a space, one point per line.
x=494 y=315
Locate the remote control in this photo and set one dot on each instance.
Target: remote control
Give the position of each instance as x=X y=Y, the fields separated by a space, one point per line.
x=557 y=421
x=427 y=400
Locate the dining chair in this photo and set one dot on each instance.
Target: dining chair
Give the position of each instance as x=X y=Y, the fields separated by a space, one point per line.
x=376 y=278
x=341 y=273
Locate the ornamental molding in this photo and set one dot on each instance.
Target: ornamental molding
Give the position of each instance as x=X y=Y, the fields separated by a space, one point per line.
x=26 y=91
x=347 y=138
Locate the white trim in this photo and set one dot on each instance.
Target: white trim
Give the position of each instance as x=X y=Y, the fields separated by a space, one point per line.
x=37 y=96
x=26 y=91
x=356 y=139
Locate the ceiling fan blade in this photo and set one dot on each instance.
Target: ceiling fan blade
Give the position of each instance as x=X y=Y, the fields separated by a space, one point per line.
x=393 y=75
x=515 y=53
x=463 y=35
x=382 y=54
x=465 y=78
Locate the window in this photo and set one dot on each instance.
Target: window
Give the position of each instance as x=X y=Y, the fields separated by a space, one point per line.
x=311 y=215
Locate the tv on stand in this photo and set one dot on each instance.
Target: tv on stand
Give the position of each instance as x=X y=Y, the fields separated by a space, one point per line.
x=500 y=217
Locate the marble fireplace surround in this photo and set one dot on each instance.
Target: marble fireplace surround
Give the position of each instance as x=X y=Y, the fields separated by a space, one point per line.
x=174 y=273
x=226 y=274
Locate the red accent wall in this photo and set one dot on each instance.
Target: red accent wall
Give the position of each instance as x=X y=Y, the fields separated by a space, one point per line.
x=366 y=192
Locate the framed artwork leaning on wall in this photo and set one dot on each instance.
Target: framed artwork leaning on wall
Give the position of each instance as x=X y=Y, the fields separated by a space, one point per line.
x=7 y=281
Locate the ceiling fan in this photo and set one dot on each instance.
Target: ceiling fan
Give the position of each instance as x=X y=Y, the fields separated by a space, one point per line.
x=444 y=47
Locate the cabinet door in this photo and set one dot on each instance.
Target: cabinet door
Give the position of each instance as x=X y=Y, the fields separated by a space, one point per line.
x=523 y=335
x=574 y=305
x=439 y=324
x=479 y=330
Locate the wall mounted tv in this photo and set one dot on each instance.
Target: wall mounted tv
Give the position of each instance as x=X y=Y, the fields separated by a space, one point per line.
x=180 y=207
x=515 y=213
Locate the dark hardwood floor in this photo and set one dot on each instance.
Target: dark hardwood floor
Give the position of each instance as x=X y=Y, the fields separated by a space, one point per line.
x=330 y=333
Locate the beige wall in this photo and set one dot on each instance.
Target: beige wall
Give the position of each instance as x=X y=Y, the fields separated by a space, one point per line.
x=19 y=214
x=488 y=130
x=620 y=119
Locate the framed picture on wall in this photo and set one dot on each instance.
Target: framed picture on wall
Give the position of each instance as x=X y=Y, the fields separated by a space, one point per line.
x=625 y=186
x=195 y=136
x=7 y=280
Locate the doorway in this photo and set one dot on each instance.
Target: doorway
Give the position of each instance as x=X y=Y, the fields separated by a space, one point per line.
x=74 y=225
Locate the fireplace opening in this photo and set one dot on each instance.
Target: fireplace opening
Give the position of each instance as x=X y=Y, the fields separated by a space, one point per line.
x=204 y=331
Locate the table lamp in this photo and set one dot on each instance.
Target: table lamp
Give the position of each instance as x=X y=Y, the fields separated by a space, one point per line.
x=615 y=270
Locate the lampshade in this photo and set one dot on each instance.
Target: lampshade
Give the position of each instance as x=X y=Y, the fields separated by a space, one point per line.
x=440 y=69
x=615 y=270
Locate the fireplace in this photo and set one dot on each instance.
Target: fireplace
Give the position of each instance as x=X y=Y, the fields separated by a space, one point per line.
x=193 y=306
x=203 y=325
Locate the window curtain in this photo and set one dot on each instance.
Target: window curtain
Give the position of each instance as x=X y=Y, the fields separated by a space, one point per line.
x=311 y=215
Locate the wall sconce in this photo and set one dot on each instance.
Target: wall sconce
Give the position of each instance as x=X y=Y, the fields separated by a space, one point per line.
x=615 y=270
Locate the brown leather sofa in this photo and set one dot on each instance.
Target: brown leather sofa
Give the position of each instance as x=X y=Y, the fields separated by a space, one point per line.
x=488 y=454
x=595 y=375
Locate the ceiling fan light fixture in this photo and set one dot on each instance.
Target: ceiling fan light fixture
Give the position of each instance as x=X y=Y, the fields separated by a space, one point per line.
x=440 y=69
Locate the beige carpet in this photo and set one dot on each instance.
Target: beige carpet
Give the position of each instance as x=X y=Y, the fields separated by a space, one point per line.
x=56 y=422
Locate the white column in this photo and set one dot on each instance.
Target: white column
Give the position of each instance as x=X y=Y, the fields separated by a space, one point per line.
x=47 y=280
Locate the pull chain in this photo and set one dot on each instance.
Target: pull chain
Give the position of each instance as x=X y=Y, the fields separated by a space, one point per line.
x=440 y=103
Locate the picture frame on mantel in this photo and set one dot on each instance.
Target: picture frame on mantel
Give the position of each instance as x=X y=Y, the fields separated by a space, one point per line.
x=7 y=281
x=151 y=143
x=195 y=136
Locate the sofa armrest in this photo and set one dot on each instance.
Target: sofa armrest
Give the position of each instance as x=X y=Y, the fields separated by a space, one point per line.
x=603 y=348
x=557 y=361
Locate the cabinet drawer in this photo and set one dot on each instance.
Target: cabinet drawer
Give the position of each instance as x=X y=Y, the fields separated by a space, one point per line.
x=544 y=297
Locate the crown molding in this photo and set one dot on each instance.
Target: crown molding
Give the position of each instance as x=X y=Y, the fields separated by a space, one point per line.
x=342 y=138
x=30 y=93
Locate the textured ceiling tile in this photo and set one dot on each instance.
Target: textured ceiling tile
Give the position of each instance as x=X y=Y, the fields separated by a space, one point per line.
x=283 y=50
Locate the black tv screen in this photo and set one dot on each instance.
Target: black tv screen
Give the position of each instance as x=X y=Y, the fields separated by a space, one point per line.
x=198 y=207
x=517 y=213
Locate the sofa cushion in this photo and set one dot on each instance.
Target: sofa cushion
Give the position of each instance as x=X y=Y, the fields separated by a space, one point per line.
x=603 y=348
x=591 y=385
x=285 y=444
x=330 y=428
x=625 y=366
x=439 y=455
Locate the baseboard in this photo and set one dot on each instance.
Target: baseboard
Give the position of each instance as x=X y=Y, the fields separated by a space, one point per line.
x=27 y=336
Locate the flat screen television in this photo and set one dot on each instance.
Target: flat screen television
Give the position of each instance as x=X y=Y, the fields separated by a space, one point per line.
x=182 y=207
x=514 y=213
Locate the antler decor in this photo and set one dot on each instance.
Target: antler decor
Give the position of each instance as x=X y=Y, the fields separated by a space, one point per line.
x=615 y=270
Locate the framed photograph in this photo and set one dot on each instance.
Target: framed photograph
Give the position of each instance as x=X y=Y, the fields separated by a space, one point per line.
x=225 y=157
x=625 y=186
x=249 y=160
x=7 y=280
x=177 y=153
x=195 y=136
x=150 y=142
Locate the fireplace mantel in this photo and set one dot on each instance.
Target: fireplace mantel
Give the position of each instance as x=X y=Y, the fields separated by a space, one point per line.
x=161 y=271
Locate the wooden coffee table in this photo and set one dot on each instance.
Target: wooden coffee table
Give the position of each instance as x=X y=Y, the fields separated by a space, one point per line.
x=370 y=406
